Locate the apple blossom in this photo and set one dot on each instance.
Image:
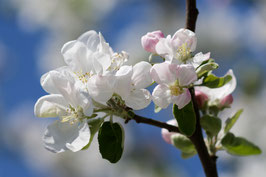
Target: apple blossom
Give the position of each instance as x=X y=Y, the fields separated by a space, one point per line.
x=95 y=63
x=150 y=40
x=70 y=102
x=220 y=96
x=173 y=81
x=177 y=49
x=131 y=83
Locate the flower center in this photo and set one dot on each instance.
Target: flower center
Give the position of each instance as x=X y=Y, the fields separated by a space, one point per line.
x=175 y=88
x=74 y=115
x=183 y=53
x=83 y=77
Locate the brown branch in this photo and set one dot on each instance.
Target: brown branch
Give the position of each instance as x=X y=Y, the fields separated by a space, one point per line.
x=208 y=162
x=170 y=128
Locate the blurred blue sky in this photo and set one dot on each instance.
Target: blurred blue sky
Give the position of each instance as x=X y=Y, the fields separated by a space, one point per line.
x=26 y=52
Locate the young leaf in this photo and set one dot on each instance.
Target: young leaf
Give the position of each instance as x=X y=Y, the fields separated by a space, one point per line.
x=186 y=155
x=186 y=118
x=203 y=69
x=229 y=123
x=183 y=143
x=94 y=126
x=111 y=141
x=239 y=146
x=212 y=125
x=213 y=81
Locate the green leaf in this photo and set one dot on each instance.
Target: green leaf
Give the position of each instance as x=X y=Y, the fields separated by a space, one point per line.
x=213 y=81
x=229 y=123
x=206 y=61
x=239 y=146
x=186 y=118
x=157 y=108
x=212 y=125
x=186 y=155
x=183 y=143
x=205 y=68
x=111 y=141
x=94 y=126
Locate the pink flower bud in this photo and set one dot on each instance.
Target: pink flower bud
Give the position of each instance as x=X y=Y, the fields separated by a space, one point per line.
x=201 y=98
x=150 y=40
x=166 y=134
x=226 y=101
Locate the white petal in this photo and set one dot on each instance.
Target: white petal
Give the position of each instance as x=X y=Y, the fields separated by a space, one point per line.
x=75 y=55
x=101 y=88
x=183 y=36
x=164 y=73
x=182 y=99
x=165 y=49
x=141 y=77
x=161 y=96
x=186 y=75
x=138 y=99
x=123 y=84
x=199 y=58
x=60 y=137
x=220 y=93
x=90 y=39
x=50 y=106
x=101 y=62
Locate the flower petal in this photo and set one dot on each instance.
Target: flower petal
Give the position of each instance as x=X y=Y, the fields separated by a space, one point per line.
x=138 y=99
x=182 y=99
x=166 y=134
x=164 y=73
x=161 y=96
x=184 y=36
x=186 y=75
x=50 y=106
x=199 y=58
x=141 y=77
x=60 y=137
x=90 y=39
x=123 y=84
x=101 y=88
x=165 y=49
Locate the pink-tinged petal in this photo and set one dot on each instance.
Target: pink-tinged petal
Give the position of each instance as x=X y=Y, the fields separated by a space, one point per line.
x=60 y=137
x=201 y=98
x=101 y=88
x=123 y=84
x=182 y=99
x=161 y=96
x=164 y=73
x=165 y=49
x=186 y=75
x=227 y=101
x=166 y=134
x=150 y=40
x=141 y=77
x=50 y=106
x=138 y=99
x=184 y=36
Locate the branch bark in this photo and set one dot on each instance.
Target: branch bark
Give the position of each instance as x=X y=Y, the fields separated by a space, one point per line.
x=208 y=162
x=170 y=128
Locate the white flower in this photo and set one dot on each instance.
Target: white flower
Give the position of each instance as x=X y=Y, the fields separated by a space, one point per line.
x=173 y=81
x=95 y=63
x=177 y=49
x=131 y=83
x=217 y=95
x=68 y=101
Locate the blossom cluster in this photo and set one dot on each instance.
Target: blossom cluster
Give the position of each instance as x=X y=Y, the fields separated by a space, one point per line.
x=96 y=79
